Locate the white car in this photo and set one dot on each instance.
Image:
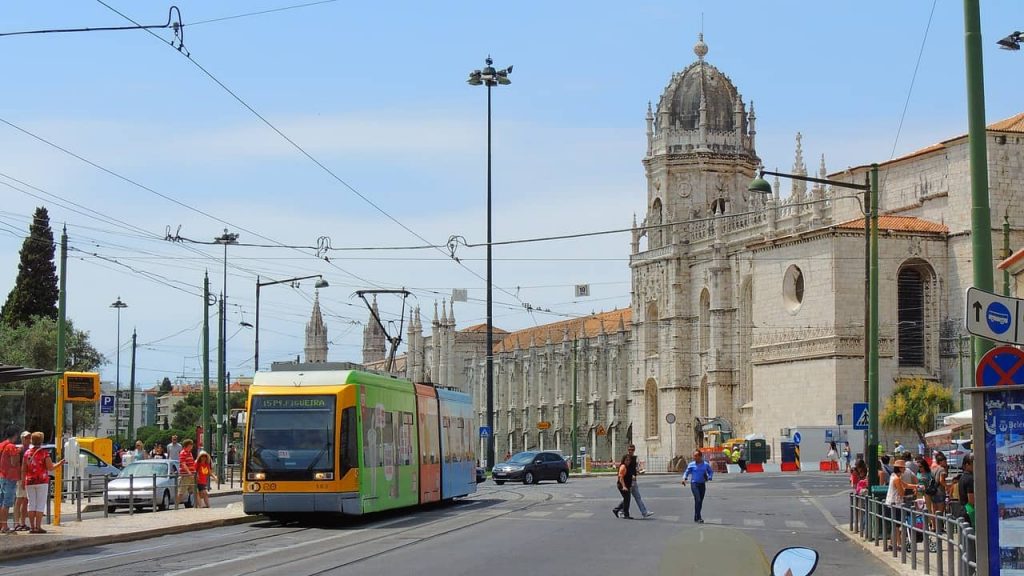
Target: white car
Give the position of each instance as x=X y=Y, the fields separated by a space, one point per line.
x=135 y=486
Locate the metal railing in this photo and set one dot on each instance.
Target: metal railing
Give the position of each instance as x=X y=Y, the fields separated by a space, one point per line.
x=942 y=544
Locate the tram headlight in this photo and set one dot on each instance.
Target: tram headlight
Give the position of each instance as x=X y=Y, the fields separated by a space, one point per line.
x=257 y=476
x=323 y=476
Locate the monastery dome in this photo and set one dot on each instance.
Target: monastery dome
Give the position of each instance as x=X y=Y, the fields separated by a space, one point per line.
x=683 y=96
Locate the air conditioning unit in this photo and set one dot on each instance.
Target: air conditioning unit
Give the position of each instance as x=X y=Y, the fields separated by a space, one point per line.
x=785 y=432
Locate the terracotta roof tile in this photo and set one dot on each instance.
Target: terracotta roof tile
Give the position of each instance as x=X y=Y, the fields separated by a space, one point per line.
x=483 y=328
x=590 y=326
x=1011 y=124
x=1012 y=262
x=899 y=224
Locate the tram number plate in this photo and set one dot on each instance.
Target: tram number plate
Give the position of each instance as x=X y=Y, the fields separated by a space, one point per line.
x=262 y=487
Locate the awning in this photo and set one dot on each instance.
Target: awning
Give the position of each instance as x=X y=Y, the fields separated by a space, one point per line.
x=961 y=417
x=943 y=436
x=12 y=373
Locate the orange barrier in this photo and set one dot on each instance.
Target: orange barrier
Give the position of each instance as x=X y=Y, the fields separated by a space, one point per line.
x=828 y=465
x=790 y=467
x=751 y=467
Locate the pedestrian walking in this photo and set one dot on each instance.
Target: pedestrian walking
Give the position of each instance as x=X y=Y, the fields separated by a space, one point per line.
x=846 y=456
x=36 y=469
x=699 y=472
x=634 y=490
x=173 y=449
x=625 y=484
x=833 y=457
x=186 y=470
x=899 y=484
x=965 y=489
x=204 y=472
x=741 y=457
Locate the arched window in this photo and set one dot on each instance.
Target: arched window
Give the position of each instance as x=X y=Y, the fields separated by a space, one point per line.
x=651 y=406
x=705 y=320
x=651 y=332
x=911 y=317
x=704 y=401
x=656 y=233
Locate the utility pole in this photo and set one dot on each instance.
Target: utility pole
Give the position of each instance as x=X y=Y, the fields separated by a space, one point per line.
x=61 y=362
x=131 y=393
x=207 y=429
x=225 y=239
x=575 y=385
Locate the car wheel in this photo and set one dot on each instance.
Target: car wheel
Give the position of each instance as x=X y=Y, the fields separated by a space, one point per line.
x=563 y=477
x=165 y=502
x=499 y=482
x=529 y=478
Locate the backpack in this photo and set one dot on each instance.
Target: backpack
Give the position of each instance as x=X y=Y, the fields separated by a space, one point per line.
x=932 y=488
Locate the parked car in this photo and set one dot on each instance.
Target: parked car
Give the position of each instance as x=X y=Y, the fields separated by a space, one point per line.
x=97 y=471
x=481 y=474
x=956 y=451
x=532 y=467
x=134 y=486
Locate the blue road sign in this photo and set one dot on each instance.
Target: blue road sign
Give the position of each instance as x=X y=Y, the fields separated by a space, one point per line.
x=828 y=434
x=860 y=415
x=998 y=317
x=106 y=404
x=1000 y=367
x=796 y=438
x=485 y=432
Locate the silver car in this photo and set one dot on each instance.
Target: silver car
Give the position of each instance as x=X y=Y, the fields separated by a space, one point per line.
x=134 y=486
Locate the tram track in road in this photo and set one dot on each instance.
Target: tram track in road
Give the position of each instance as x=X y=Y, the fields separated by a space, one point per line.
x=392 y=541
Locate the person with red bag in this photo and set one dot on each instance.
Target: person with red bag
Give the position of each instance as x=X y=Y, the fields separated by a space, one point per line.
x=36 y=468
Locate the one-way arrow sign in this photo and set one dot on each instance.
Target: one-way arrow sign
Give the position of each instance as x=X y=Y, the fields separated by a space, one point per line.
x=993 y=316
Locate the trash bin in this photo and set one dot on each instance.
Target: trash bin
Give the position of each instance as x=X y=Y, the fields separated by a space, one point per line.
x=757 y=451
x=877 y=498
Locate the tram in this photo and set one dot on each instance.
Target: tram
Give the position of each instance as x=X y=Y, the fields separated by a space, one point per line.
x=353 y=442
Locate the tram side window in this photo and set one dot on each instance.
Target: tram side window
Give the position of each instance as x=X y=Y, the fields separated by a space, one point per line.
x=349 y=440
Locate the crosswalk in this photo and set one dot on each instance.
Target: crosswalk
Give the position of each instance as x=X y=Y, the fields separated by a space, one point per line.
x=567 y=514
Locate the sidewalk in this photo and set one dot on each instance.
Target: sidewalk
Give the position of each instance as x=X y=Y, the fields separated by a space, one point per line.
x=121 y=527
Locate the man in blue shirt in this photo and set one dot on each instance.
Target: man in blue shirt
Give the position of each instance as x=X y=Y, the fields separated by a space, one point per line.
x=699 y=472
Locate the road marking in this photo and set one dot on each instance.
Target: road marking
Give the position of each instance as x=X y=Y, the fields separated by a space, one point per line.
x=537 y=514
x=581 y=515
x=753 y=522
x=796 y=524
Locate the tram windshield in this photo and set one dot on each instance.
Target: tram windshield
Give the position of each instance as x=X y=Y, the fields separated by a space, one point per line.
x=291 y=436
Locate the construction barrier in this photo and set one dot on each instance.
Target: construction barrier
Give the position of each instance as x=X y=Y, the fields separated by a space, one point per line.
x=752 y=467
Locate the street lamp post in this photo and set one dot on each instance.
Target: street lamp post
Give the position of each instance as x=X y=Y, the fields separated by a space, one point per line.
x=870 y=211
x=117 y=385
x=225 y=239
x=489 y=77
x=321 y=283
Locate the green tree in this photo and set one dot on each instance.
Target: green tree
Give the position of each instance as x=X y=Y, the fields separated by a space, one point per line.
x=189 y=412
x=35 y=290
x=35 y=344
x=914 y=404
x=166 y=386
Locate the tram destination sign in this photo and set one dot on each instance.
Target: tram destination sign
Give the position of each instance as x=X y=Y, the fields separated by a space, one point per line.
x=993 y=316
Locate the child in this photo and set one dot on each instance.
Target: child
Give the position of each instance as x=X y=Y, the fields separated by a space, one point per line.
x=204 y=472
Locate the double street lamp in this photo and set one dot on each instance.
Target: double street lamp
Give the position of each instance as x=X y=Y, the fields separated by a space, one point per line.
x=489 y=77
x=225 y=239
x=321 y=283
x=119 y=305
x=870 y=212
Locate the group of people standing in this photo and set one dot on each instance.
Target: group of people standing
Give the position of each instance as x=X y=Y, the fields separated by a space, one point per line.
x=25 y=468
x=195 y=471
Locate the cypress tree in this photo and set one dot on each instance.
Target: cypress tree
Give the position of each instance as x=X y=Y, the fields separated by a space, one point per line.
x=35 y=291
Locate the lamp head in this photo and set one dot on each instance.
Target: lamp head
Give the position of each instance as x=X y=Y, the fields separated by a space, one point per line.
x=474 y=78
x=760 y=185
x=321 y=283
x=1011 y=42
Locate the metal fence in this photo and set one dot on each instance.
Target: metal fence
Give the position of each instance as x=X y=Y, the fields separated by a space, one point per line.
x=939 y=544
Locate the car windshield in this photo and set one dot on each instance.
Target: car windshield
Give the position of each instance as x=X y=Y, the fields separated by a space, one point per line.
x=144 y=469
x=523 y=458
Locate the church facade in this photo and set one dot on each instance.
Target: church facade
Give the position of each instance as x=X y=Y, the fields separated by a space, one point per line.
x=745 y=308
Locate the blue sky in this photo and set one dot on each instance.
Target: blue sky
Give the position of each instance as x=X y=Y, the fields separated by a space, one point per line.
x=377 y=94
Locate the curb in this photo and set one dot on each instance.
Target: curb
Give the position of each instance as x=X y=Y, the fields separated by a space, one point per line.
x=76 y=542
x=893 y=563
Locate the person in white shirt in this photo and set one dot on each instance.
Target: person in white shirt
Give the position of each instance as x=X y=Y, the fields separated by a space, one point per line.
x=174 y=448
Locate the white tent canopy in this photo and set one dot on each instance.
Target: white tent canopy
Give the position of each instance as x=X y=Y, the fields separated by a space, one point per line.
x=958 y=418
